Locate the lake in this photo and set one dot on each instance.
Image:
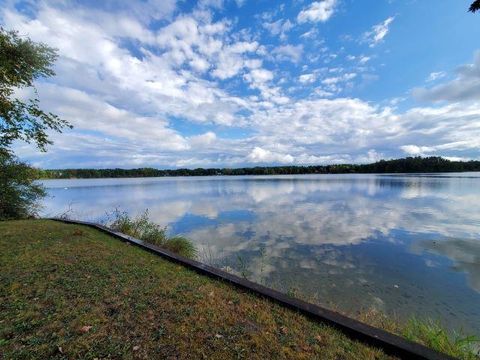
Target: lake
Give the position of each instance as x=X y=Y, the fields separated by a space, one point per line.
x=408 y=245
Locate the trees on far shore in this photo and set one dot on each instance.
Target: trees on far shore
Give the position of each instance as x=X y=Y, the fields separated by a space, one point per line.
x=406 y=165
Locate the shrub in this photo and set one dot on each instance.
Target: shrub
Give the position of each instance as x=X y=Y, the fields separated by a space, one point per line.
x=19 y=194
x=142 y=228
x=181 y=245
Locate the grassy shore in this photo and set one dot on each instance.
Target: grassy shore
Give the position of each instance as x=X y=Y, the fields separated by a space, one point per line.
x=68 y=291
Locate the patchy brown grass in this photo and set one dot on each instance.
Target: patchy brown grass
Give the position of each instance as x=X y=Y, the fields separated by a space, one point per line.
x=68 y=291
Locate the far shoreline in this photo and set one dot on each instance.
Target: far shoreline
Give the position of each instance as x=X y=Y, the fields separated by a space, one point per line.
x=440 y=174
x=410 y=165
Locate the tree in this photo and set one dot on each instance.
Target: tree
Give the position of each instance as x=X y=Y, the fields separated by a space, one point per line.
x=22 y=62
x=19 y=193
x=475 y=6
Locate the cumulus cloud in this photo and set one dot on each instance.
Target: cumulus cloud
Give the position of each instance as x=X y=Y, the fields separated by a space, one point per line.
x=259 y=76
x=318 y=11
x=378 y=32
x=259 y=155
x=278 y=28
x=288 y=52
x=204 y=139
x=217 y=4
x=335 y=84
x=416 y=150
x=125 y=100
x=94 y=61
x=307 y=78
x=231 y=61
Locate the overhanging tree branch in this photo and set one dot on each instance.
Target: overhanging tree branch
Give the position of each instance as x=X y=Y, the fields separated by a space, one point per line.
x=475 y=6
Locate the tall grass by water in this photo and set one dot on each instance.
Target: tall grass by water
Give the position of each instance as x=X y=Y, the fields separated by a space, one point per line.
x=428 y=332
x=141 y=227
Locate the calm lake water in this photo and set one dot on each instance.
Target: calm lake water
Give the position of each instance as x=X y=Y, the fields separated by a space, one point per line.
x=404 y=244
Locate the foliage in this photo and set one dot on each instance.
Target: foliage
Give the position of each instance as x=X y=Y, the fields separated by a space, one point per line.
x=433 y=335
x=19 y=194
x=427 y=332
x=475 y=6
x=181 y=245
x=23 y=61
x=142 y=228
x=406 y=165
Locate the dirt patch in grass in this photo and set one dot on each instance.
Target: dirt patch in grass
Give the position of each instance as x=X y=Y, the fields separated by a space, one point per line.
x=68 y=291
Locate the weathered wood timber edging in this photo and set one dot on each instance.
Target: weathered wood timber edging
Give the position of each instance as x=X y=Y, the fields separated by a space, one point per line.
x=391 y=344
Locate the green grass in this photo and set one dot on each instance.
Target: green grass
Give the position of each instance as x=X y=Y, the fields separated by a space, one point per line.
x=427 y=332
x=432 y=334
x=69 y=292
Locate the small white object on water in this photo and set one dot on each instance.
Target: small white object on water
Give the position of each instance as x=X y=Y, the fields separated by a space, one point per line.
x=396 y=286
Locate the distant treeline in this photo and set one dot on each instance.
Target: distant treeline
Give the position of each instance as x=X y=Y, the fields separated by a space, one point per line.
x=406 y=165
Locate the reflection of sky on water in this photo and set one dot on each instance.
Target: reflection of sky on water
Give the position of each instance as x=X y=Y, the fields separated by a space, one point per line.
x=404 y=244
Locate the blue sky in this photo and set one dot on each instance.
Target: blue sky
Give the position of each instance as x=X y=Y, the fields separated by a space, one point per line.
x=214 y=83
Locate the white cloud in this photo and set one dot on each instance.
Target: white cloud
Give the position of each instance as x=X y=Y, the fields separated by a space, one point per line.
x=364 y=59
x=312 y=33
x=279 y=27
x=259 y=76
x=434 y=76
x=336 y=84
x=143 y=10
x=231 y=61
x=199 y=64
x=253 y=63
x=289 y=52
x=203 y=140
x=81 y=109
x=91 y=60
x=337 y=79
x=259 y=155
x=378 y=32
x=465 y=87
x=416 y=150
x=217 y=4
x=317 y=11
x=307 y=78
x=124 y=102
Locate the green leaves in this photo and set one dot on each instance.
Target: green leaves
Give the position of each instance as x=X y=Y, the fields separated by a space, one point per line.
x=19 y=193
x=475 y=6
x=22 y=62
